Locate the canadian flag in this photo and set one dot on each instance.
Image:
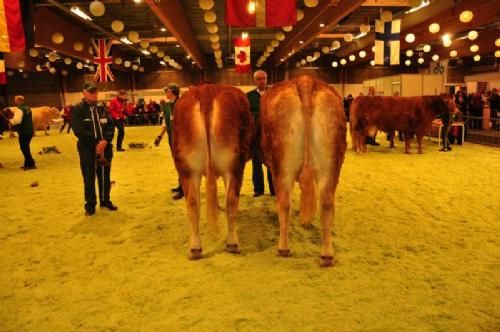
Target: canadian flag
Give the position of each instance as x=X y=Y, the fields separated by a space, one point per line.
x=261 y=13
x=242 y=55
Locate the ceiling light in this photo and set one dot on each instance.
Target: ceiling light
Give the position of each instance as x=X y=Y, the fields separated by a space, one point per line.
x=453 y=53
x=424 y=4
x=477 y=58
x=145 y=52
x=321 y=25
x=244 y=35
x=251 y=7
x=80 y=13
x=360 y=35
x=410 y=38
x=163 y=63
x=372 y=63
x=137 y=1
x=435 y=57
x=163 y=29
x=472 y=35
x=177 y=45
x=301 y=42
x=125 y=40
x=408 y=62
x=466 y=16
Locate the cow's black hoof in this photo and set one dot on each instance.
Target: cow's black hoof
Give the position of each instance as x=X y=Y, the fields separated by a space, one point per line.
x=326 y=261
x=233 y=248
x=195 y=254
x=284 y=253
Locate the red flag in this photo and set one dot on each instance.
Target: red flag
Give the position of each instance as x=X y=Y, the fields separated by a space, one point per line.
x=11 y=22
x=242 y=55
x=3 y=77
x=102 y=60
x=261 y=13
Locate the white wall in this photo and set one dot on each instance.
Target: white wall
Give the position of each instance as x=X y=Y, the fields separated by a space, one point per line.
x=493 y=80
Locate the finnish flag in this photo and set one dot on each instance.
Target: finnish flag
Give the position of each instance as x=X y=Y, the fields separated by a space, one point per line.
x=387 y=42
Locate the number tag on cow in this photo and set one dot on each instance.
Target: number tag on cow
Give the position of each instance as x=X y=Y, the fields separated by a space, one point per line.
x=103 y=120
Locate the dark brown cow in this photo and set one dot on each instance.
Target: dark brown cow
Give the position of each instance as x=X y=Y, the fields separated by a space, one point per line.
x=410 y=115
x=213 y=128
x=304 y=139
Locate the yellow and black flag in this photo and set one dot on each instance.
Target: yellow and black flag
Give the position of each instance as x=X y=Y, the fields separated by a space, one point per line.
x=3 y=77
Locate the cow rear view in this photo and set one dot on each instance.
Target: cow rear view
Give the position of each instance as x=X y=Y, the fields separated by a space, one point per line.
x=304 y=139
x=211 y=136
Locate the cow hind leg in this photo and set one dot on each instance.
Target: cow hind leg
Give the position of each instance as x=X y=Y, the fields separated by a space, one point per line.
x=327 y=213
x=407 y=144
x=191 y=188
x=233 y=186
x=307 y=196
x=283 y=204
x=419 y=143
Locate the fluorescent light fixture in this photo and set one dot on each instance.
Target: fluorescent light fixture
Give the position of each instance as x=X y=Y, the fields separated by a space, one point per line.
x=361 y=35
x=301 y=42
x=145 y=52
x=80 y=13
x=322 y=25
x=424 y=4
x=163 y=63
x=137 y=1
x=125 y=40
x=163 y=29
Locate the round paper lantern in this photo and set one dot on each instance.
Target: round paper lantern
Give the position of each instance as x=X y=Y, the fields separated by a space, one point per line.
x=33 y=52
x=343 y=62
x=447 y=42
x=118 y=60
x=474 y=48
x=386 y=16
x=335 y=64
x=153 y=48
x=269 y=48
x=410 y=38
x=25 y=75
x=497 y=42
x=409 y=53
x=38 y=68
x=219 y=65
x=325 y=49
x=420 y=60
x=52 y=70
x=166 y=58
x=472 y=35
x=52 y=57
x=311 y=3
x=160 y=54
x=78 y=46
x=206 y=4
x=372 y=63
x=215 y=46
x=171 y=62
x=335 y=44
x=91 y=50
x=135 y=67
x=91 y=67
x=210 y=17
x=352 y=57
x=144 y=44
x=141 y=69
x=10 y=73
x=300 y=14
x=57 y=38
x=67 y=61
x=133 y=36
x=348 y=37
x=79 y=65
x=288 y=28
x=365 y=28
x=316 y=54
x=434 y=28
x=117 y=26
x=127 y=64
x=477 y=57
x=427 y=48
x=275 y=43
x=453 y=53
x=435 y=57
x=279 y=35
x=373 y=48
x=297 y=64
x=214 y=38
x=266 y=54
x=362 y=54
x=218 y=53
x=303 y=62
x=408 y=62
x=415 y=3
x=212 y=28
x=497 y=54
x=97 y=8
x=309 y=58
x=64 y=72
x=466 y=16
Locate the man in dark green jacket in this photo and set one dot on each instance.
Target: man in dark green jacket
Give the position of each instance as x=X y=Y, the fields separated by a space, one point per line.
x=94 y=128
x=260 y=78
x=25 y=132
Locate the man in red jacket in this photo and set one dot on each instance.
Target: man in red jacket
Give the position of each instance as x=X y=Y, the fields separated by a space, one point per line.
x=117 y=112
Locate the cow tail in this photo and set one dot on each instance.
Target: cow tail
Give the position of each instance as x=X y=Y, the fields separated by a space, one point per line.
x=306 y=177
x=206 y=107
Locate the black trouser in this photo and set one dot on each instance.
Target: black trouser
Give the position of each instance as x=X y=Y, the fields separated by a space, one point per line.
x=66 y=122
x=169 y=135
x=90 y=168
x=258 y=174
x=444 y=135
x=24 y=143
x=119 y=124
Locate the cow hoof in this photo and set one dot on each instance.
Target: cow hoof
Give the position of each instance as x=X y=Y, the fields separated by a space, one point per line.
x=284 y=252
x=233 y=248
x=326 y=261
x=194 y=254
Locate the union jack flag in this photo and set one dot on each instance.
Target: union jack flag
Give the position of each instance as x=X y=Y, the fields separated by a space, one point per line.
x=103 y=60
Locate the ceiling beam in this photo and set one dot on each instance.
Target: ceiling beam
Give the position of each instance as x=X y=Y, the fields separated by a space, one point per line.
x=386 y=3
x=327 y=12
x=171 y=13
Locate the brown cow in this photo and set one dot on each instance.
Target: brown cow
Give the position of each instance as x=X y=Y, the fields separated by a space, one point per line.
x=43 y=116
x=212 y=131
x=410 y=115
x=304 y=139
